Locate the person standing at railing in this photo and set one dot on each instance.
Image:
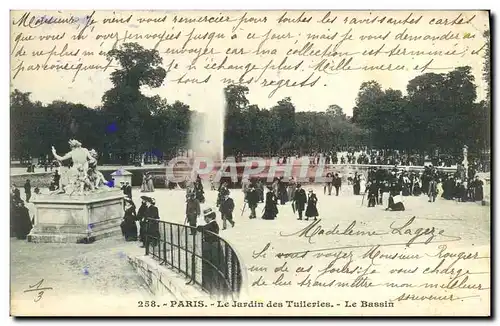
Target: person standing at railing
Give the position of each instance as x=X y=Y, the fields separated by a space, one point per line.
x=226 y=209
x=192 y=210
x=141 y=213
x=211 y=252
x=152 y=233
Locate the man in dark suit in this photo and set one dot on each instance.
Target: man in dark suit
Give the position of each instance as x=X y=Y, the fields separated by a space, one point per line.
x=337 y=183
x=192 y=210
x=299 y=200
x=123 y=188
x=252 y=199
x=128 y=190
x=226 y=209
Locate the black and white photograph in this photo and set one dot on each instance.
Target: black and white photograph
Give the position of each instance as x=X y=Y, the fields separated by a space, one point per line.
x=250 y=163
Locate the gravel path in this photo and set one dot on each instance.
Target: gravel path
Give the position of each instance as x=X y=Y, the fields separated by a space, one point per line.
x=74 y=271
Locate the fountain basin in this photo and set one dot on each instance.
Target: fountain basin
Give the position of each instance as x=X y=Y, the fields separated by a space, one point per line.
x=78 y=218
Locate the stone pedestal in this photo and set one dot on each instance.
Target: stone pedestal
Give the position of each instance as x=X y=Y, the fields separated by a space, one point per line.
x=78 y=218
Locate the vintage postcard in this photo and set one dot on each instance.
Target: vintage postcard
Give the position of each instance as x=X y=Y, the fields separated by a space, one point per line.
x=250 y=163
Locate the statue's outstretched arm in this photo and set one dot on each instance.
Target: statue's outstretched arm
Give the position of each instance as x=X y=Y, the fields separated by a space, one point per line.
x=60 y=158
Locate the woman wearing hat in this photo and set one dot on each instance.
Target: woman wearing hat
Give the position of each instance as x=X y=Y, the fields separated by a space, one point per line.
x=128 y=226
x=149 y=182
x=291 y=188
x=152 y=232
x=212 y=253
x=312 y=210
x=270 y=208
x=144 y=185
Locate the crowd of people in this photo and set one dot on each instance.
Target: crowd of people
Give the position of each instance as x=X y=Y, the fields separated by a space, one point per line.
x=431 y=182
x=369 y=157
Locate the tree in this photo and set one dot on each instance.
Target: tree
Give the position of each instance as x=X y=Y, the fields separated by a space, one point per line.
x=125 y=107
x=283 y=115
x=487 y=65
x=236 y=104
x=336 y=111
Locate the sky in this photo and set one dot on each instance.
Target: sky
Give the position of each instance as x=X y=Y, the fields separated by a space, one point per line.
x=339 y=88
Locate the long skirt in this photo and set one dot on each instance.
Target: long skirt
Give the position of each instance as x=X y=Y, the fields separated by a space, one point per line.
x=22 y=223
x=270 y=212
x=129 y=230
x=311 y=211
x=213 y=269
x=150 y=186
x=283 y=196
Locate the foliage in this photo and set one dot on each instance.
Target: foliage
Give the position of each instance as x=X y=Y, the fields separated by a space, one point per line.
x=438 y=111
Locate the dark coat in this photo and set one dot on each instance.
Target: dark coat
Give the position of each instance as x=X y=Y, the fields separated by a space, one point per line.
x=211 y=227
x=312 y=210
x=213 y=258
x=270 y=208
x=27 y=188
x=252 y=198
x=192 y=209
x=152 y=227
x=128 y=191
x=300 y=199
x=22 y=221
x=226 y=207
x=128 y=226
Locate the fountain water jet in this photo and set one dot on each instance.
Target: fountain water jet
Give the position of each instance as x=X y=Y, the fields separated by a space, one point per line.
x=207 y=129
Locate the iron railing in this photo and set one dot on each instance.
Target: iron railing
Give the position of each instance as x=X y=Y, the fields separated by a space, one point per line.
x=202 y=256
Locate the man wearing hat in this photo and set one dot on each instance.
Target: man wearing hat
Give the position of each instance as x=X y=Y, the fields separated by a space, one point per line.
x=337 y=183
x=141 y=213
x=122 y=188
x=192 y=210
x=252 y=199
x=128 y=190
x=226 y=209
x=299 y=200
x=222 y=192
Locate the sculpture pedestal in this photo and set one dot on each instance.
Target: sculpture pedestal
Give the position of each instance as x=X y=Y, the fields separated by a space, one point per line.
x=77 y=219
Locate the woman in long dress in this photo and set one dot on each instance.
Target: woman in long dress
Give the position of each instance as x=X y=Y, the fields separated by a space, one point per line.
x=270 y=208
x=291 y=188
x=362 y=184
x=128 y=226
x=312 y=210
x=150 y=185
x=144 y=183
x=22 y=221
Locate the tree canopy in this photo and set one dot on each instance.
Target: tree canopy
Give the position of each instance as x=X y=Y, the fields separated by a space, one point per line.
x=437 y=111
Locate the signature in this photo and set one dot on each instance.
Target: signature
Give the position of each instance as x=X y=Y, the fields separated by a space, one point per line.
x=38 y=288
